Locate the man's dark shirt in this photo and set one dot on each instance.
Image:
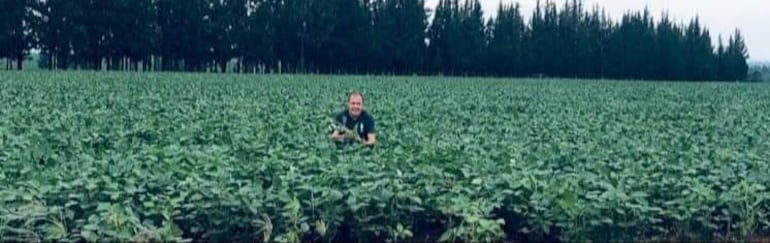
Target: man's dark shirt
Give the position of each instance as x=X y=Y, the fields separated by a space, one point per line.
x=363 y=125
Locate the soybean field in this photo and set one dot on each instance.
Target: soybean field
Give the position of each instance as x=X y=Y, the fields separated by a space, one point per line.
x=97 y=156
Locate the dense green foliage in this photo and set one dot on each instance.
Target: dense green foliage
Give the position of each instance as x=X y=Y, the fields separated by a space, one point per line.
x=17 y=25
x=759 y=73
x=366 y=37
x=124 y=156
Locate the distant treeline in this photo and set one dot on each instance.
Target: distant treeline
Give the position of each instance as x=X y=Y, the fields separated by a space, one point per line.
x=364 y=37
x=759 y=73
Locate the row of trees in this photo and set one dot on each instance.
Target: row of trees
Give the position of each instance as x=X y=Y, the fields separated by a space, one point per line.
x=759 y=73
x=364 y=36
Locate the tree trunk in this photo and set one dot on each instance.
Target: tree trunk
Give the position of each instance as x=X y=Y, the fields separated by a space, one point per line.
x=62 y=62
x=19 y=61
x=223 y=65
x=51 y=61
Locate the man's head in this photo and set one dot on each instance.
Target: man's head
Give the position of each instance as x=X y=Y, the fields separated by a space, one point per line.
x=355 y=103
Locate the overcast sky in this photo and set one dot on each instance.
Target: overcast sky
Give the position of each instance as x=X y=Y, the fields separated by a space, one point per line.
x=752 y=17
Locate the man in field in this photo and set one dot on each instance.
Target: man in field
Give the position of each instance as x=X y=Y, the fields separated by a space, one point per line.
x=356 y=119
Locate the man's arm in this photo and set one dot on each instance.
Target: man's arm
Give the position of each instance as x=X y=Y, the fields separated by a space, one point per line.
x=339 y=136
x=371 y=139
x=371 y=134
x=336 y=135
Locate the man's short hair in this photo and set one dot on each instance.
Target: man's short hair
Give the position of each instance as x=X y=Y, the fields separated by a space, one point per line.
x=356 y=92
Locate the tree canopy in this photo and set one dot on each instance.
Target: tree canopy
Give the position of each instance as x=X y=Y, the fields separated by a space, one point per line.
x=365 y=37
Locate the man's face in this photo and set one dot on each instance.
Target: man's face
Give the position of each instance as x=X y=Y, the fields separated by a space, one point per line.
x=355 y=105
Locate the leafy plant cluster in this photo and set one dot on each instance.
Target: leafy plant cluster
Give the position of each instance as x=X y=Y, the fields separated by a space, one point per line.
x=196 y=157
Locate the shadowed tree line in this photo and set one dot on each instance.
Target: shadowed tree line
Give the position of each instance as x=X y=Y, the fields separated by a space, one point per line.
x=364 y=37
x=759 y=73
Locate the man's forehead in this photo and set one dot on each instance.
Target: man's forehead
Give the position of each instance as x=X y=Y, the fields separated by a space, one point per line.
x=355 y=98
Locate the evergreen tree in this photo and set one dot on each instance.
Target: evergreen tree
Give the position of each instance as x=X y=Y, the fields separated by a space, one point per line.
x=721 y=63
x=699 y=55
x=257 y=42
x=365 y=36
x=222 y=25
x=16 y=36
x=596 y=30
x=472 y=34
x=443 y=35
x=506 y=42
x=735 y=58
x=670 y=61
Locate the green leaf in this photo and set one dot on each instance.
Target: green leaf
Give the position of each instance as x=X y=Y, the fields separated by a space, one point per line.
x=70 y=204
x=335 y=195
x=416 y=200
x=103 y=206
x=89 y=236
x=148 y=204
x=445 y=236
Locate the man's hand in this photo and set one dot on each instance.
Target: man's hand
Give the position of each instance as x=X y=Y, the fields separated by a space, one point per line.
x=371 y=139
x=337 y=136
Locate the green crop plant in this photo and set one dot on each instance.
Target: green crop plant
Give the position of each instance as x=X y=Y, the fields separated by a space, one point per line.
x=88 y=156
